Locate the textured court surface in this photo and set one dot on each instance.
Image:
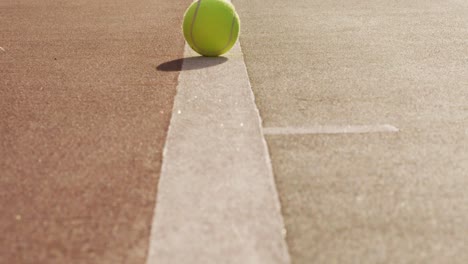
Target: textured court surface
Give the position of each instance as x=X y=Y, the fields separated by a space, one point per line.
x=363 y=107
x=377 y=197
x=83 y=120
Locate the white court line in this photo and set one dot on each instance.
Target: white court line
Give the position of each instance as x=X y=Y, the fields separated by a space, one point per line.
x=217 y=201
x=329 y=130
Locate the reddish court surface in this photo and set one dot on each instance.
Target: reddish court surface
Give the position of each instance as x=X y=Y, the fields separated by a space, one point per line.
x=84 y=113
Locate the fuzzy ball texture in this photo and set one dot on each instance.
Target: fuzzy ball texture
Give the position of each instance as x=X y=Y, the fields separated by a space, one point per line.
x=211 y=27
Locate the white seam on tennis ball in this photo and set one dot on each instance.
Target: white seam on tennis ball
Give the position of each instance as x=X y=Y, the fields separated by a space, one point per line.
x=193 y=23
x=230 y=35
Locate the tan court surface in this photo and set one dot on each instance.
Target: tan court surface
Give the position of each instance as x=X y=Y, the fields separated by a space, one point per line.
x=86 y=94
x=83 y=120
x=366 y=198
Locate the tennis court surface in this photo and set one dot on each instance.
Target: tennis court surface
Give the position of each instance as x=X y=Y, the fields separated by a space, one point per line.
x=332 y=132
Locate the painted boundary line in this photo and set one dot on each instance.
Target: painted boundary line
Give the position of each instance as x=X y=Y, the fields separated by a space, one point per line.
x=217 y=201
x=329 y=130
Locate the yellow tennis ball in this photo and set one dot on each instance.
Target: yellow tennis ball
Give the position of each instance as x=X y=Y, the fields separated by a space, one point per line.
x=211 y=27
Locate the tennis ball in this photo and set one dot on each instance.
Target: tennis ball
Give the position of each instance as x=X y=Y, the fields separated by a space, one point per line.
x=211 y=27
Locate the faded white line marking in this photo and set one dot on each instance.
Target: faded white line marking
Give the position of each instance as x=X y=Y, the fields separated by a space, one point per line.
x=358 y=129
x=2 y=49
x=217 y=201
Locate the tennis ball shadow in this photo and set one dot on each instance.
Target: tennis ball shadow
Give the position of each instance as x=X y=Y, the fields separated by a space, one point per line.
x=190 y=63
